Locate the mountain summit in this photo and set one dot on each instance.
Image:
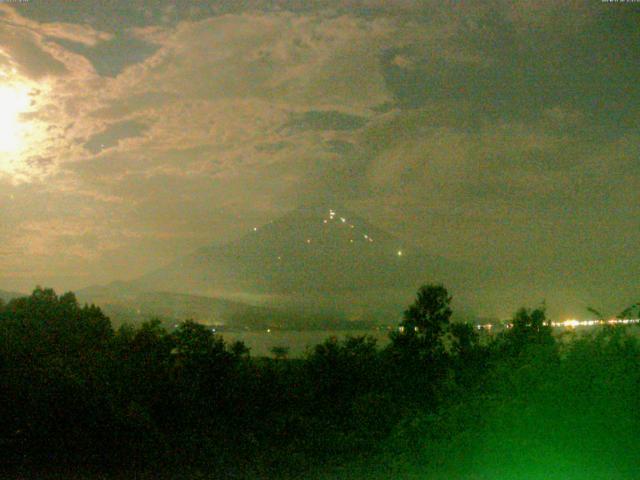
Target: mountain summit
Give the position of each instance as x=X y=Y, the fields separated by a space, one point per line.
x=315 y=259
x=311 y=249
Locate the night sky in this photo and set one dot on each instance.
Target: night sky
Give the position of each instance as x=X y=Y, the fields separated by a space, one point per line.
x=502 y=134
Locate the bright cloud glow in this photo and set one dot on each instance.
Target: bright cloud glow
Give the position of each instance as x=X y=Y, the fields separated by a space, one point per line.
x=13 y=101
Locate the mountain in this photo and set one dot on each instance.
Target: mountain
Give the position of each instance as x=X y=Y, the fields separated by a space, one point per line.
x=317 y=259
x=310 y=249
x=6 y=296
x=316 y=265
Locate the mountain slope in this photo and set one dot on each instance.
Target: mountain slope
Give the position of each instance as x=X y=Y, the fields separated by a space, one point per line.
x=315 y=260
x=312 y=263
x=309 y=250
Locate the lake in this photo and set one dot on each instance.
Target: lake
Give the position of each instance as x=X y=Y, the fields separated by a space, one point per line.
x=261 y=342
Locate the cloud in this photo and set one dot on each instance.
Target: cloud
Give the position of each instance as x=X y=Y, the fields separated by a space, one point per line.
x=109 y=58
x=280 y=58
x=75 y=32
x=23 y=51
x=113 y=134
x=325 y=120
x=472 y=129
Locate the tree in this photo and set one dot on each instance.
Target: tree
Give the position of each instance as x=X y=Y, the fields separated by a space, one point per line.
x=239 y=349
x=531 y=326
x=194 y=340
x=425 y=322
x=464 y=339
x=630 y=312
x=280 y=352
x=57 y=324
x=54 y=366
x=468 y=356
x=530 y=334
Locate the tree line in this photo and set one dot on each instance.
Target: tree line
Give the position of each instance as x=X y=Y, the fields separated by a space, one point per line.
x=438 y=401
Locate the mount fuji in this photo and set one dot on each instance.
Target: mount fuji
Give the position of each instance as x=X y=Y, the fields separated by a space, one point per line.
x=313 y=259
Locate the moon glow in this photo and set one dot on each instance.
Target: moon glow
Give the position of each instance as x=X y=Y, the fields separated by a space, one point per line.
x=13 y=102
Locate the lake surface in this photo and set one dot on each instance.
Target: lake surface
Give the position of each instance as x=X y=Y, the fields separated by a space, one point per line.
x=262 y=342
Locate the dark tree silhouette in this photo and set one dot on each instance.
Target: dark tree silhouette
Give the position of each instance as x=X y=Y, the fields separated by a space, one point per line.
x=531 y=327
x=280 y=352
x=73 y=392
x=464 y=339
x=425 y=322
x=239 y=349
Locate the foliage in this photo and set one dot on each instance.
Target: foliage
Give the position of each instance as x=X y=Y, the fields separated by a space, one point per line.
x=425 y=321
x=440 y=401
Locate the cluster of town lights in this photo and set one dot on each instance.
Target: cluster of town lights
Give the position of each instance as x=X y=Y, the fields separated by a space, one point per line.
x=572 y=323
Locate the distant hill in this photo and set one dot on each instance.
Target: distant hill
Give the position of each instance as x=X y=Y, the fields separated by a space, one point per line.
x=6 y=296
x=226 y=314
x=314 y=261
